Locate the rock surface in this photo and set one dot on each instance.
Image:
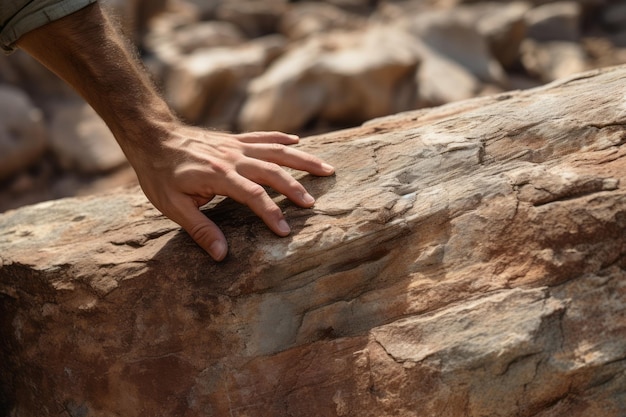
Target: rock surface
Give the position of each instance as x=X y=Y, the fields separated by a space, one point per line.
x=311 y=67
x=466 y=260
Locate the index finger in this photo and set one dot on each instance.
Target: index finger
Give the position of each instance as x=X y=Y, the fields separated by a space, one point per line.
x=256 y=198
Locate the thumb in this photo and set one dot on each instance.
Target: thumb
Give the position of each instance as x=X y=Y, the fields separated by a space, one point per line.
x=203 y=231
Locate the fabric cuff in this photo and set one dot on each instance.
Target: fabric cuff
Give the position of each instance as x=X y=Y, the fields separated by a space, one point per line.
x=34 y=15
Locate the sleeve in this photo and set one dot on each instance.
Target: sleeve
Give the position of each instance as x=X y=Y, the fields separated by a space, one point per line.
x=18 y=17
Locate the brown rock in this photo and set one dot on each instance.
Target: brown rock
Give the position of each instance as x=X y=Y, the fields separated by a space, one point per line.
x=208 y=86
x=503 y=26
x=22 y=133
x=23 y=71
x=133 y=16
x=466 y=260
x=450 y=34
x=309 y=18
x=338 y=77
x=550 y=61
x=558 y=21
x=81 y=140
x=254 y=18
x=192 y=36
x=442 y=80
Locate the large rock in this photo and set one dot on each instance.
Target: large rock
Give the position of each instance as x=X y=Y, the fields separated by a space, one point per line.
x=253 y=17
x=558 y=21
x=208 y=86
x=502 y=25
x=450 y=34
x=338 y=77
x=310 y=18
x=466 y=260
x=81 y=141
x=549 y=61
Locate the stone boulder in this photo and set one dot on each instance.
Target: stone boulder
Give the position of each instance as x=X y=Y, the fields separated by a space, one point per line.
x=465 y=260
x=549 y=61
x=558 y=21
x=208 y=86
x=306 y=19
x=446 y=33
x=253 y=17
x=81 y=141
x=338 y=77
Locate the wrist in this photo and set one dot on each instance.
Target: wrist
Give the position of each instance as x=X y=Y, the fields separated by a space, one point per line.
x=144 y=138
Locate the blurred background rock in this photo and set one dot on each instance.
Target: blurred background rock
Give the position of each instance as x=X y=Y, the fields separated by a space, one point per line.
x=303 y=67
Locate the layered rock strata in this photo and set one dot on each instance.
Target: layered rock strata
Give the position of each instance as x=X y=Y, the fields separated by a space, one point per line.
x=466 y=260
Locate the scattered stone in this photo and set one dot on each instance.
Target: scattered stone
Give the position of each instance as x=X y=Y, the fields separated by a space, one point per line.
x=23 y=71
x=206 y=8
x=82 y=141
x=22 y=131
x=208 y=85
x=306 y=19
x=447 y=34
x=614 y=16
x=442 y=80
x=504 y=28
x=255 y=18
x=559 y=21
x=550 y=61
x=188 y=38
x=341 y=77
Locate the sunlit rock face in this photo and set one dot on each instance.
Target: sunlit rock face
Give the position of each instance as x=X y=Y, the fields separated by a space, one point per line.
x=465 y=260
x=304 y=67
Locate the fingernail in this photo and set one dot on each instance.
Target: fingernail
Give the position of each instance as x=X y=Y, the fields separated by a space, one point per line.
x=307 y=198
x=283 y=227
x=327 y=168
x=217 y=250
x=294 y=137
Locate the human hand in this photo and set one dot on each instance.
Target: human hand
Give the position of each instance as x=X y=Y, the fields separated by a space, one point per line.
x=179 y=167
x=190 y=166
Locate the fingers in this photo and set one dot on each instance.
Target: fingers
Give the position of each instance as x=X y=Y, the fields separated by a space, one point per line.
x=269 y=146
x=202 y=230
x=268 y=137
x=254 y=196
x=270 y=174
x=289 y=157
x=235 y=166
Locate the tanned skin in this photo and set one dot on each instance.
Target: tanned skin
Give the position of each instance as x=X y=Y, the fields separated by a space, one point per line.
x=180 y=167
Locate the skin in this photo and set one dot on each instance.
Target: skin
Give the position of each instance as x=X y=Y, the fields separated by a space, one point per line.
x=180 y=167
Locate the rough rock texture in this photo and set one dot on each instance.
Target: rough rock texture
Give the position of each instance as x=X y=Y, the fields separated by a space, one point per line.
x=316 y=66
x=466 y=260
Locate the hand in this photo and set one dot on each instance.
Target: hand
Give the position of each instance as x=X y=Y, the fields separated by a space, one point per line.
x=179 y=167
x=191 y=166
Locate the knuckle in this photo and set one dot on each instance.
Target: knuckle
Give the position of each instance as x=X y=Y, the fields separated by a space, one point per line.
x=274 y=212
x=201 y=232
x=255 y=191
x=272 y=168
x=277 y=148
x=222 y=169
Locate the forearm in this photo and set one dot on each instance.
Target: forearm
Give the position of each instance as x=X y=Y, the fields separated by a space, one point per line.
x=85 y=50
x=180 y=167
